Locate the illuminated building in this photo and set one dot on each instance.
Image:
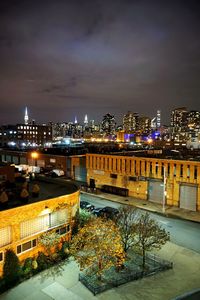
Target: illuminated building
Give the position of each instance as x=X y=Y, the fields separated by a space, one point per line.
x=108 y=124
x=130 y=121
x=179 y=119
x=26 y=118
x=21 y=226
x=22 y=135
x=143 y=178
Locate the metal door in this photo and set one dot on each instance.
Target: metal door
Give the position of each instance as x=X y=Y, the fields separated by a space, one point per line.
x=155 y=191
x=188 y=197
x=80 y=173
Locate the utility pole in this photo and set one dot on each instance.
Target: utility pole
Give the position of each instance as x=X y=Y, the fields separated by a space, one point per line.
x=164 y=189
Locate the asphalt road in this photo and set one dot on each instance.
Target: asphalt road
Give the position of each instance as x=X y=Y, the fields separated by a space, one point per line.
x=182 y=232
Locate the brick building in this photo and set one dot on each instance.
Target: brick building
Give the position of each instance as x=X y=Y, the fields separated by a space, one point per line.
x=143 y=178
x=21 y=226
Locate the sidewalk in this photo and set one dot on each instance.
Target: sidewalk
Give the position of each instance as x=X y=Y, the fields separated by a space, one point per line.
x=166 y=285
x=170 y=211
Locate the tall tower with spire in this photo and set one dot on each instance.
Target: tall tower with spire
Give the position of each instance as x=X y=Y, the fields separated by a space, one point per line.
x=75 y=120
x=86 y=120
x=26 y=116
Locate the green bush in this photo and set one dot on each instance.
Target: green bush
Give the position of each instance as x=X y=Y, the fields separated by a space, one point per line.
x=2 y=285
x=44 y=262
x=64 y=251
x=27 y=267
x=11 y=268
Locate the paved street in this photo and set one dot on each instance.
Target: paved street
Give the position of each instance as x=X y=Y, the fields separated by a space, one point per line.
x=182 y=232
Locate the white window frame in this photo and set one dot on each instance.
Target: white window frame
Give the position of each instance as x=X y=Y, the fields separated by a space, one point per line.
x=21 y=245
x=67 y=227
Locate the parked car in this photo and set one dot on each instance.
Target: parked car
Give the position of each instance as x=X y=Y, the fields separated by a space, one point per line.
x=109 y=212
x=55 y=173
x=86 y=205
x=97 y=211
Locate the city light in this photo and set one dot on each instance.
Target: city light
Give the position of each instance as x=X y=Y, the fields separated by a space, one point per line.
x=34 y=155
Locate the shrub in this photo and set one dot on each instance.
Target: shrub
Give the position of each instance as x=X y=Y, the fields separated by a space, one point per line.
x=64 y=251
x=34 y=264
x=2 y=285
x=43 y=261
x=11 y=268
x=27 y=267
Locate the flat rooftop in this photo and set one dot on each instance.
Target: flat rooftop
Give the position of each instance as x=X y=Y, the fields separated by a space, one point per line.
x=49 y=188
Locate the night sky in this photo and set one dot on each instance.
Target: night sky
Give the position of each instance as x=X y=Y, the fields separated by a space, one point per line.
x=67 y=58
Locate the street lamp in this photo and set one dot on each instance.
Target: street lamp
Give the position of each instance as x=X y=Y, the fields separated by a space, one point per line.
x=34 y=156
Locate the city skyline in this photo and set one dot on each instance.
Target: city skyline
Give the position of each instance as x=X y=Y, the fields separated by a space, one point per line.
x=68 y=59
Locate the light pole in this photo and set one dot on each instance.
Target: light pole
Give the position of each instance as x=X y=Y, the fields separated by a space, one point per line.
x=164 y=189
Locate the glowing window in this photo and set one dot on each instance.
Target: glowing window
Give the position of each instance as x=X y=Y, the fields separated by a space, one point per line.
x=5 y=236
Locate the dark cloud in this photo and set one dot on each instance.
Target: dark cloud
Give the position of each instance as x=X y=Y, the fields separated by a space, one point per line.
x=66 y=58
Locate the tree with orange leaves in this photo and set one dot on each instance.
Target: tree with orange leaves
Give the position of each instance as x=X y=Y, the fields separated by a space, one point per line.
x=98 y=246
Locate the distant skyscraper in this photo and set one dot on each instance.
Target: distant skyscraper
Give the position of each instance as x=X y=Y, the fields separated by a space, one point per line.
x=75 y=120
x=144 y=124
x=158 y=119
x=26 y=116
x=86 y=120
x=193 y=119
x=130 y=121
x=179 y=119
x=108 y=124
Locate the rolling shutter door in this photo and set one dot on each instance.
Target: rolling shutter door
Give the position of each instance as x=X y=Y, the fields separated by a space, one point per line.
x=80 y=173
x=155 y=191
x=188 y=197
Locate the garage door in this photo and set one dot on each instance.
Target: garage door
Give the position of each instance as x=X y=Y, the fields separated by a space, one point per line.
x=155 y=191
x=80 y=173
x=188 y=197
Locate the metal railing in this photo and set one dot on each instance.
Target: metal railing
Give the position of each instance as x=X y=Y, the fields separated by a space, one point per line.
x=155 y=265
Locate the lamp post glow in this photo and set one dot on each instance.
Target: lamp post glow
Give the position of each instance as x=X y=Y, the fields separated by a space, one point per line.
x=34 y=156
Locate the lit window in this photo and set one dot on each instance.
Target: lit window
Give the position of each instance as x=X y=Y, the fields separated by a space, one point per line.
x=5 y=236
x=74 y=210
x=43 y=223
x=31 y=227
x=58 y=218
